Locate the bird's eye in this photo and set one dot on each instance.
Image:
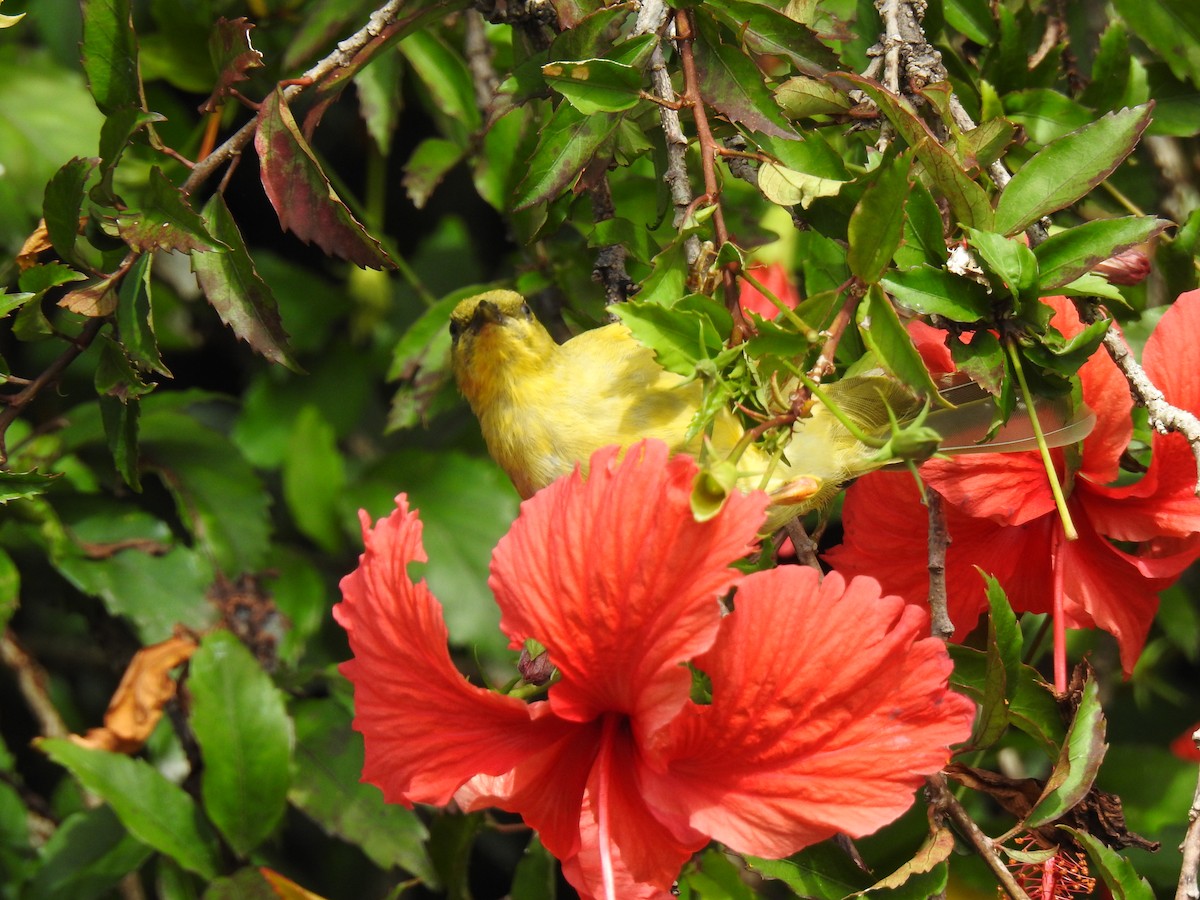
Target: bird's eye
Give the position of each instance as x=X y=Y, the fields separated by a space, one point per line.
x=456 y=328
x=526 y=311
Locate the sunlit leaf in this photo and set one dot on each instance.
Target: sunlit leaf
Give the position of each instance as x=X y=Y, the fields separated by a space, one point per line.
x=1077 y=764
x=1068 y=168
x=110 y=54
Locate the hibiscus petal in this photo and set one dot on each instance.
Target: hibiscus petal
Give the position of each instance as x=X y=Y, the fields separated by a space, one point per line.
x=1172 y=355
x=829 y=708
x=1008 y=488
x=618 y=580
x=426 y=729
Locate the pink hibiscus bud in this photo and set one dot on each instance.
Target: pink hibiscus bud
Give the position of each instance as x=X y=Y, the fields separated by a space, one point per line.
x=1130 y=267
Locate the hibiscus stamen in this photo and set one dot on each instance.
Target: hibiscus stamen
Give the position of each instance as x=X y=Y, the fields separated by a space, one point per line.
x=1058 y=613
x=604 y=762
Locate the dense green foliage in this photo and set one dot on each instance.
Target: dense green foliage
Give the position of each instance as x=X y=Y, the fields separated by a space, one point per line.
x=197 y=404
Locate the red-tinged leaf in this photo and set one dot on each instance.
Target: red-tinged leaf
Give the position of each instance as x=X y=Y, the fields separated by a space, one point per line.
x=302 y=196
x=1078 y=761
x=232 y=55
x=569 y=141
x=135 y=319
x=232 y=285
x=877 y=223
x=165 y=222
x=767 y=30
x=1065 y=170
x=732 y=84
x=63 y=203
x=1067 y=255
x=110 y=54
x=968 y=201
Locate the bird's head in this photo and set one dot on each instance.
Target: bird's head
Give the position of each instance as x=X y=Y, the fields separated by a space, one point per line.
x=496 y=342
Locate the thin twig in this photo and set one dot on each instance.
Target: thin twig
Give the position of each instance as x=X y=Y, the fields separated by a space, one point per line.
x=343 y=55
x=34 y=685
x=15 y=403
x=609 y=268
x=939 y=539
x=945 y=800
x=1189 y=874
x=806 y=548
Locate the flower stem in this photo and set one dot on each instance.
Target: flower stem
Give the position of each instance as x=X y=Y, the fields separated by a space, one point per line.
x=1060 y=501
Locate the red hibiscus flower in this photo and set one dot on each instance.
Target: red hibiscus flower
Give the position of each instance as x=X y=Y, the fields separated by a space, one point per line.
x=828 y=702
x=774 y=278
x=1001 y=517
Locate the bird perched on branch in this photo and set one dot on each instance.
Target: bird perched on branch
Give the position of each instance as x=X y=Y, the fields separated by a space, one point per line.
x=543 y=407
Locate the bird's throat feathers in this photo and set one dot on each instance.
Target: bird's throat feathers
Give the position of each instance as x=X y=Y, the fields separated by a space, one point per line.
x=497 y=363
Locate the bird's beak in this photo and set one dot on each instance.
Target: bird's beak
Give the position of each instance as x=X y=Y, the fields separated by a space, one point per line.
x=486 y=313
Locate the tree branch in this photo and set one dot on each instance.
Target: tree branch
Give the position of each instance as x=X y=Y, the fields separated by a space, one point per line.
x=1189 y=885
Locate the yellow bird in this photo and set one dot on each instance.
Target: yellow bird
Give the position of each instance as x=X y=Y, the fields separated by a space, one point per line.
x=543 y=407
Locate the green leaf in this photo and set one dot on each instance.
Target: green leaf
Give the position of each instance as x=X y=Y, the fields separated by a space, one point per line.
x=1111 y=69
x=972 y=18
x=1068 y=168
x=929 y=859
x=21 y=485
x=220 y=499
x=1078 y=762
x=679 y=338
x=247 y=884
x=110 y=54
x=766 y=30
x=1171 y=28
x=887 y=337
x=63 y=205
x=155 y=592
x=877 y=223
x=924 y=241
x=1008 y=259
x=567 y=144
x=135 y=319
x=152 y=809
x=1046 y=115
x=120 y=416
x=245 y=737
x=802 y=97
x=429 y=164
x=10 y=588
x=301 y=193
x=119 y=128
x=1068 y=254
x=595 y=85
x=165 y=222
x=1116 y=871
x=86 y=856
x=314 y=478
x=445 y=74
x=327 y=787
x=788 y=187
x=467 y=504
x=1032 y=708
x=1003 y=655
x=822 y=871
x=534 y=878
x=733 y=85
x=936 y=292
x=236 y=291
x=969 y=203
